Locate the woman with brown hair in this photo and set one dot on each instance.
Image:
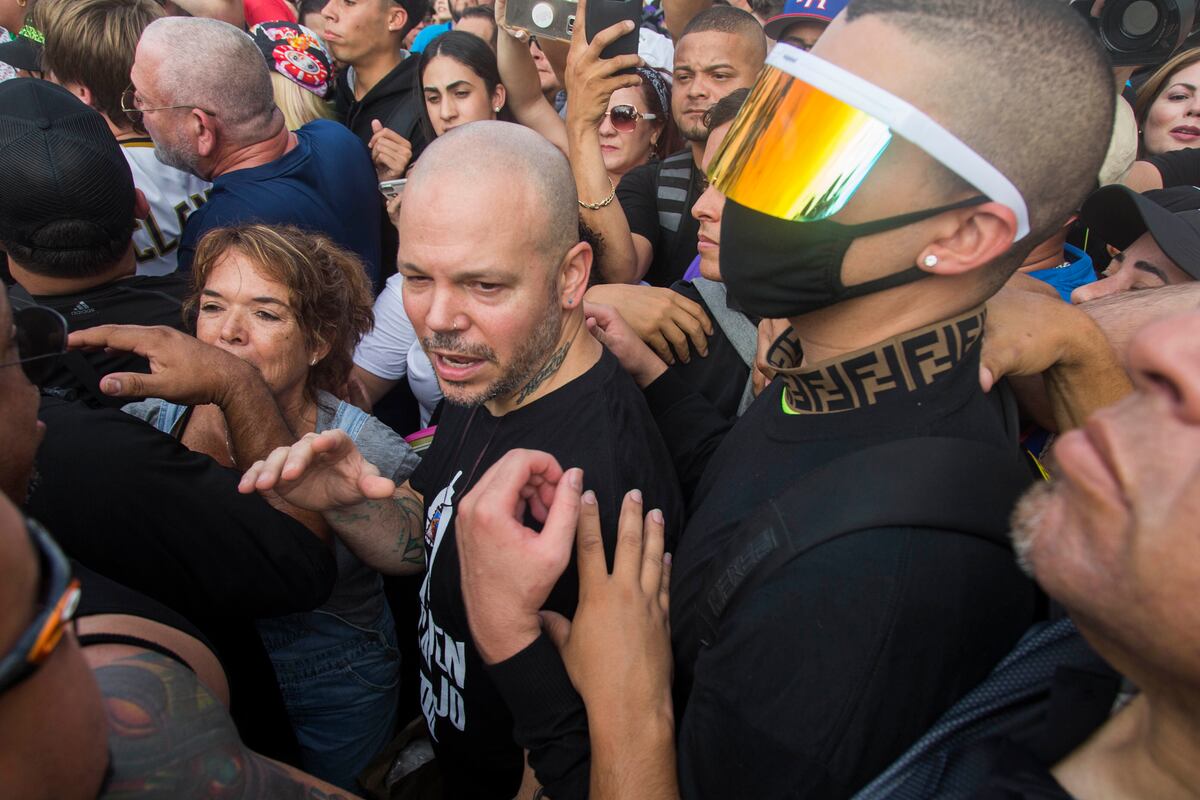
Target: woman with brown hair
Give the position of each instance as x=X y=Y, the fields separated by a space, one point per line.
x=1167 y=107
x=294 y=305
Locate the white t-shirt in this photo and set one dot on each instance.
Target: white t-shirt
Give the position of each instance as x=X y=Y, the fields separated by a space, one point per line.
x=391 y=351
x=6 y=71
x=172 y=195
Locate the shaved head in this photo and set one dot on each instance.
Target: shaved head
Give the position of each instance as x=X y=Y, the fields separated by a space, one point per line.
x=1025 y=84
x=521 y=168
x=213 y=66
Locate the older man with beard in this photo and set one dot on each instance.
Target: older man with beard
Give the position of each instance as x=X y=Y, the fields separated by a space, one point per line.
x=499 y=311
x=203 y=92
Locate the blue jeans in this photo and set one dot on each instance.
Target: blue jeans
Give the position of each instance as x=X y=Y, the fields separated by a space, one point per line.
x=340 y=684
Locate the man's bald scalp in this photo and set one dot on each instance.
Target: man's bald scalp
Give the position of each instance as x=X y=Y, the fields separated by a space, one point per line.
x=1025 y=83
x=525 y=159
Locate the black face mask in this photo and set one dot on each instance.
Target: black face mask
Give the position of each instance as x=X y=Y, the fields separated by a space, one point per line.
x=777 y=268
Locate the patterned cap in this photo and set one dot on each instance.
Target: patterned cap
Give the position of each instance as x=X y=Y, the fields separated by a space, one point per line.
x=296 y=53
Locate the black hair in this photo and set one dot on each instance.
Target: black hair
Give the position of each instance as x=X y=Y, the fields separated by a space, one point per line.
x=57 y=253
x=483 y=12
x=726 y=19
x=417 y=10
x=468 y=50
x=725 y=109
x=306 y=7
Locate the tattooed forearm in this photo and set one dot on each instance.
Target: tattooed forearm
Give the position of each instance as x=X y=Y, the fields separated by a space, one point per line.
x=548 y=369
x=410 y=542
x=388 y=535
x=171 y=738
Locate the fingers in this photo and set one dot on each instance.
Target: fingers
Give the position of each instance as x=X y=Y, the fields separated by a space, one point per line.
x=557 y=627
x=607 y=36
x=129 y=384
x=986 y=378
x=664 y=589
x=560 y=523
x=130 y=338
x=628 y=558
x=653 y=545
x=678 y=339
x=264 y=475
x=376 y=487
x=696 y=327
x=693 y=310
x=589 y=544
x=376 y=126
x=658 y=343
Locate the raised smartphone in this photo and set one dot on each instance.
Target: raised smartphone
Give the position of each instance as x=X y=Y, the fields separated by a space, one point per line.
x=552 y=19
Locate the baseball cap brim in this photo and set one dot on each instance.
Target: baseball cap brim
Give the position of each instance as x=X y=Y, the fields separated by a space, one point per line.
x=776 y=25
x=22 y=53
x=1120 y=216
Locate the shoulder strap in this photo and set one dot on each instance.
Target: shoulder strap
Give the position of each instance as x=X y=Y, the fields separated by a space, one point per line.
x=677 y=172
x=738 y=329
x=742 y=334
x=954 y=485
x=349 y=418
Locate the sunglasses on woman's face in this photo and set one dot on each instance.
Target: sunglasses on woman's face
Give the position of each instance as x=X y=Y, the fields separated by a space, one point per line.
x=41 y=339
x=625 y=118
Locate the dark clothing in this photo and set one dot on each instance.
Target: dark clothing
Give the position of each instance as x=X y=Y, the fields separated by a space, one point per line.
x=1178 y=167
x=325 y=184
x=103 y=596
x=137 y=300
x=598 y=422
x=657 y=199
x=832 y=667
x=720 y=377
x=396 y=101
x=137 y=506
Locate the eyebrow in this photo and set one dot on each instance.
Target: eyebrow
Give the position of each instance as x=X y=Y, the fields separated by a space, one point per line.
x=708 y=68
x=1187 y=86
x=449 y=86
x=490 y=275
x=266 y=300
x=1146 y=266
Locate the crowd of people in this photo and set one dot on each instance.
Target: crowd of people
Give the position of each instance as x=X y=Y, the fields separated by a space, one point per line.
x=739 y=400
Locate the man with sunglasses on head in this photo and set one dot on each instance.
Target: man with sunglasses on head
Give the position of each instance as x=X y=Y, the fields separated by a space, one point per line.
x=220 y=123
x=68 y=211
x=845 y=574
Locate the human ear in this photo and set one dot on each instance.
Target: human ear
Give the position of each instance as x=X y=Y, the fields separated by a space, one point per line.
x=973 y=238
x=573 y=275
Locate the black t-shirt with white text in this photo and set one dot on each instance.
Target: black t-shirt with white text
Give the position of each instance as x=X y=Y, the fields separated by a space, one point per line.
x=598 y=422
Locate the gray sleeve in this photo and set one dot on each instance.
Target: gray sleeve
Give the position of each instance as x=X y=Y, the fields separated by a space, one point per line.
x=145 y=410
x=387 y=450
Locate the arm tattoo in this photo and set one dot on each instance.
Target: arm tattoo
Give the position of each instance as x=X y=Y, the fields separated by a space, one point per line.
x=548 y=369
x=170 y=738
x=411 y=541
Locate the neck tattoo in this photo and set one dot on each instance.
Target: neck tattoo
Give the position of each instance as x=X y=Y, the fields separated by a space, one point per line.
x=548 y=369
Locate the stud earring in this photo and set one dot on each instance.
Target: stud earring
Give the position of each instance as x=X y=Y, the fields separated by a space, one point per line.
x=313 y=363
x=931 y=261
x=496 y=109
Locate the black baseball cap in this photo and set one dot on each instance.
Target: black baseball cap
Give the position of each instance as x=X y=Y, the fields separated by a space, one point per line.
x=1120 y=216
x=23 y=51
x=60 y=164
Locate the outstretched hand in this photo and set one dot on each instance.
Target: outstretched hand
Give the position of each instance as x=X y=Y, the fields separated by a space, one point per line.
x=390 y=152
x=183 y=369
x=321 y=472
x=617 y=650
